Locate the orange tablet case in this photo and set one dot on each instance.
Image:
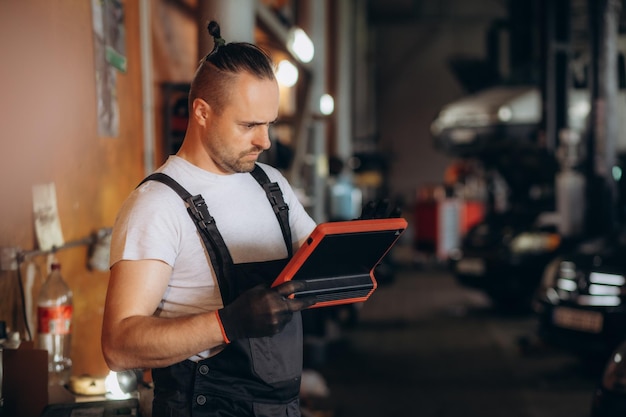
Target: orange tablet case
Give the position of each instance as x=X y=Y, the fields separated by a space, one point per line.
x=338 y=259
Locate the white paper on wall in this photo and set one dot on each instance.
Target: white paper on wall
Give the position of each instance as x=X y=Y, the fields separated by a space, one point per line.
x=47 y=223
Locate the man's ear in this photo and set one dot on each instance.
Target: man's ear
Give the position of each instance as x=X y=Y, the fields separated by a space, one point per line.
x=200 y=111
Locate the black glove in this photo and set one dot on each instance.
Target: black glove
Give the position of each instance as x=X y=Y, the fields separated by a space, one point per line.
x=262 y=311
x=379 y=209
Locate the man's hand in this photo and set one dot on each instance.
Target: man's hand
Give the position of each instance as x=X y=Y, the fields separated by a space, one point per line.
x=262 y=311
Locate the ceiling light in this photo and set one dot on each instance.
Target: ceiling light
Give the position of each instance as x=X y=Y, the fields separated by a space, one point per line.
x=300 y=45
x=286 y=73
x=327 y=104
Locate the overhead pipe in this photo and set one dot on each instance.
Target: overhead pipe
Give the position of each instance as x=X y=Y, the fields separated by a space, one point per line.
x=145 y=38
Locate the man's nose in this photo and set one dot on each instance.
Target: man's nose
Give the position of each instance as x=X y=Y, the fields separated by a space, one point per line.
x=262 y=139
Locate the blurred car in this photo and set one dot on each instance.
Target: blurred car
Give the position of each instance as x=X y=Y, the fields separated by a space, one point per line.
x=473 y=122
x=609 y=399
x=504 y=256
x=581 y=302
x=497 y=115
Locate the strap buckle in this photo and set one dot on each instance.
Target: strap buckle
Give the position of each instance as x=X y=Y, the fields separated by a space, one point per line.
x=198 y=209
x=275 y=196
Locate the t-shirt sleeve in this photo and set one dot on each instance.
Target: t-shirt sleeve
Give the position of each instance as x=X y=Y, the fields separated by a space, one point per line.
x=148 y=226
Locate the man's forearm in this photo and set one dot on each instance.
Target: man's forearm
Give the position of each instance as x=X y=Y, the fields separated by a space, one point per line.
x=153 y=342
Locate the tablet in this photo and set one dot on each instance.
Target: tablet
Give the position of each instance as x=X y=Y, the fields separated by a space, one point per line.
x=338 y=259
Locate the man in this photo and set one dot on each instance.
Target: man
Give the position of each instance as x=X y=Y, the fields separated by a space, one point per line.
x=192 y=301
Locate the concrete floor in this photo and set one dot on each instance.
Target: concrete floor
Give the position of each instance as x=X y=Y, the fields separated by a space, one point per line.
x=424 y=346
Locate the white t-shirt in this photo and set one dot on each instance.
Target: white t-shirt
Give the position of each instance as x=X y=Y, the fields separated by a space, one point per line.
x=153 y=223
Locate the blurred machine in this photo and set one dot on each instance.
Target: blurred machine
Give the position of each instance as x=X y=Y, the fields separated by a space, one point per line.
x=548 y=148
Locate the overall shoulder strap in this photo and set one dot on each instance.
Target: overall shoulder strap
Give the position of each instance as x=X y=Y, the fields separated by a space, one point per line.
x=275 y=196
x=212 y=239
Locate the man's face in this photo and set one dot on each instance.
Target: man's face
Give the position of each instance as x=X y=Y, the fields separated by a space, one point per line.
x=236 y=137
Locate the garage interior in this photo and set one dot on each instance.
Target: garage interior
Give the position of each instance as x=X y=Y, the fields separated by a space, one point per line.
x=498 y=127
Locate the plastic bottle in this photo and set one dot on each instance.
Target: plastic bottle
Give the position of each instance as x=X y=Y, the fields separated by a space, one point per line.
x=54 y=325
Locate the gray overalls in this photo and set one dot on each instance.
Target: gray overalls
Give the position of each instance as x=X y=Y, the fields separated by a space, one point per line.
x=257 y=377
